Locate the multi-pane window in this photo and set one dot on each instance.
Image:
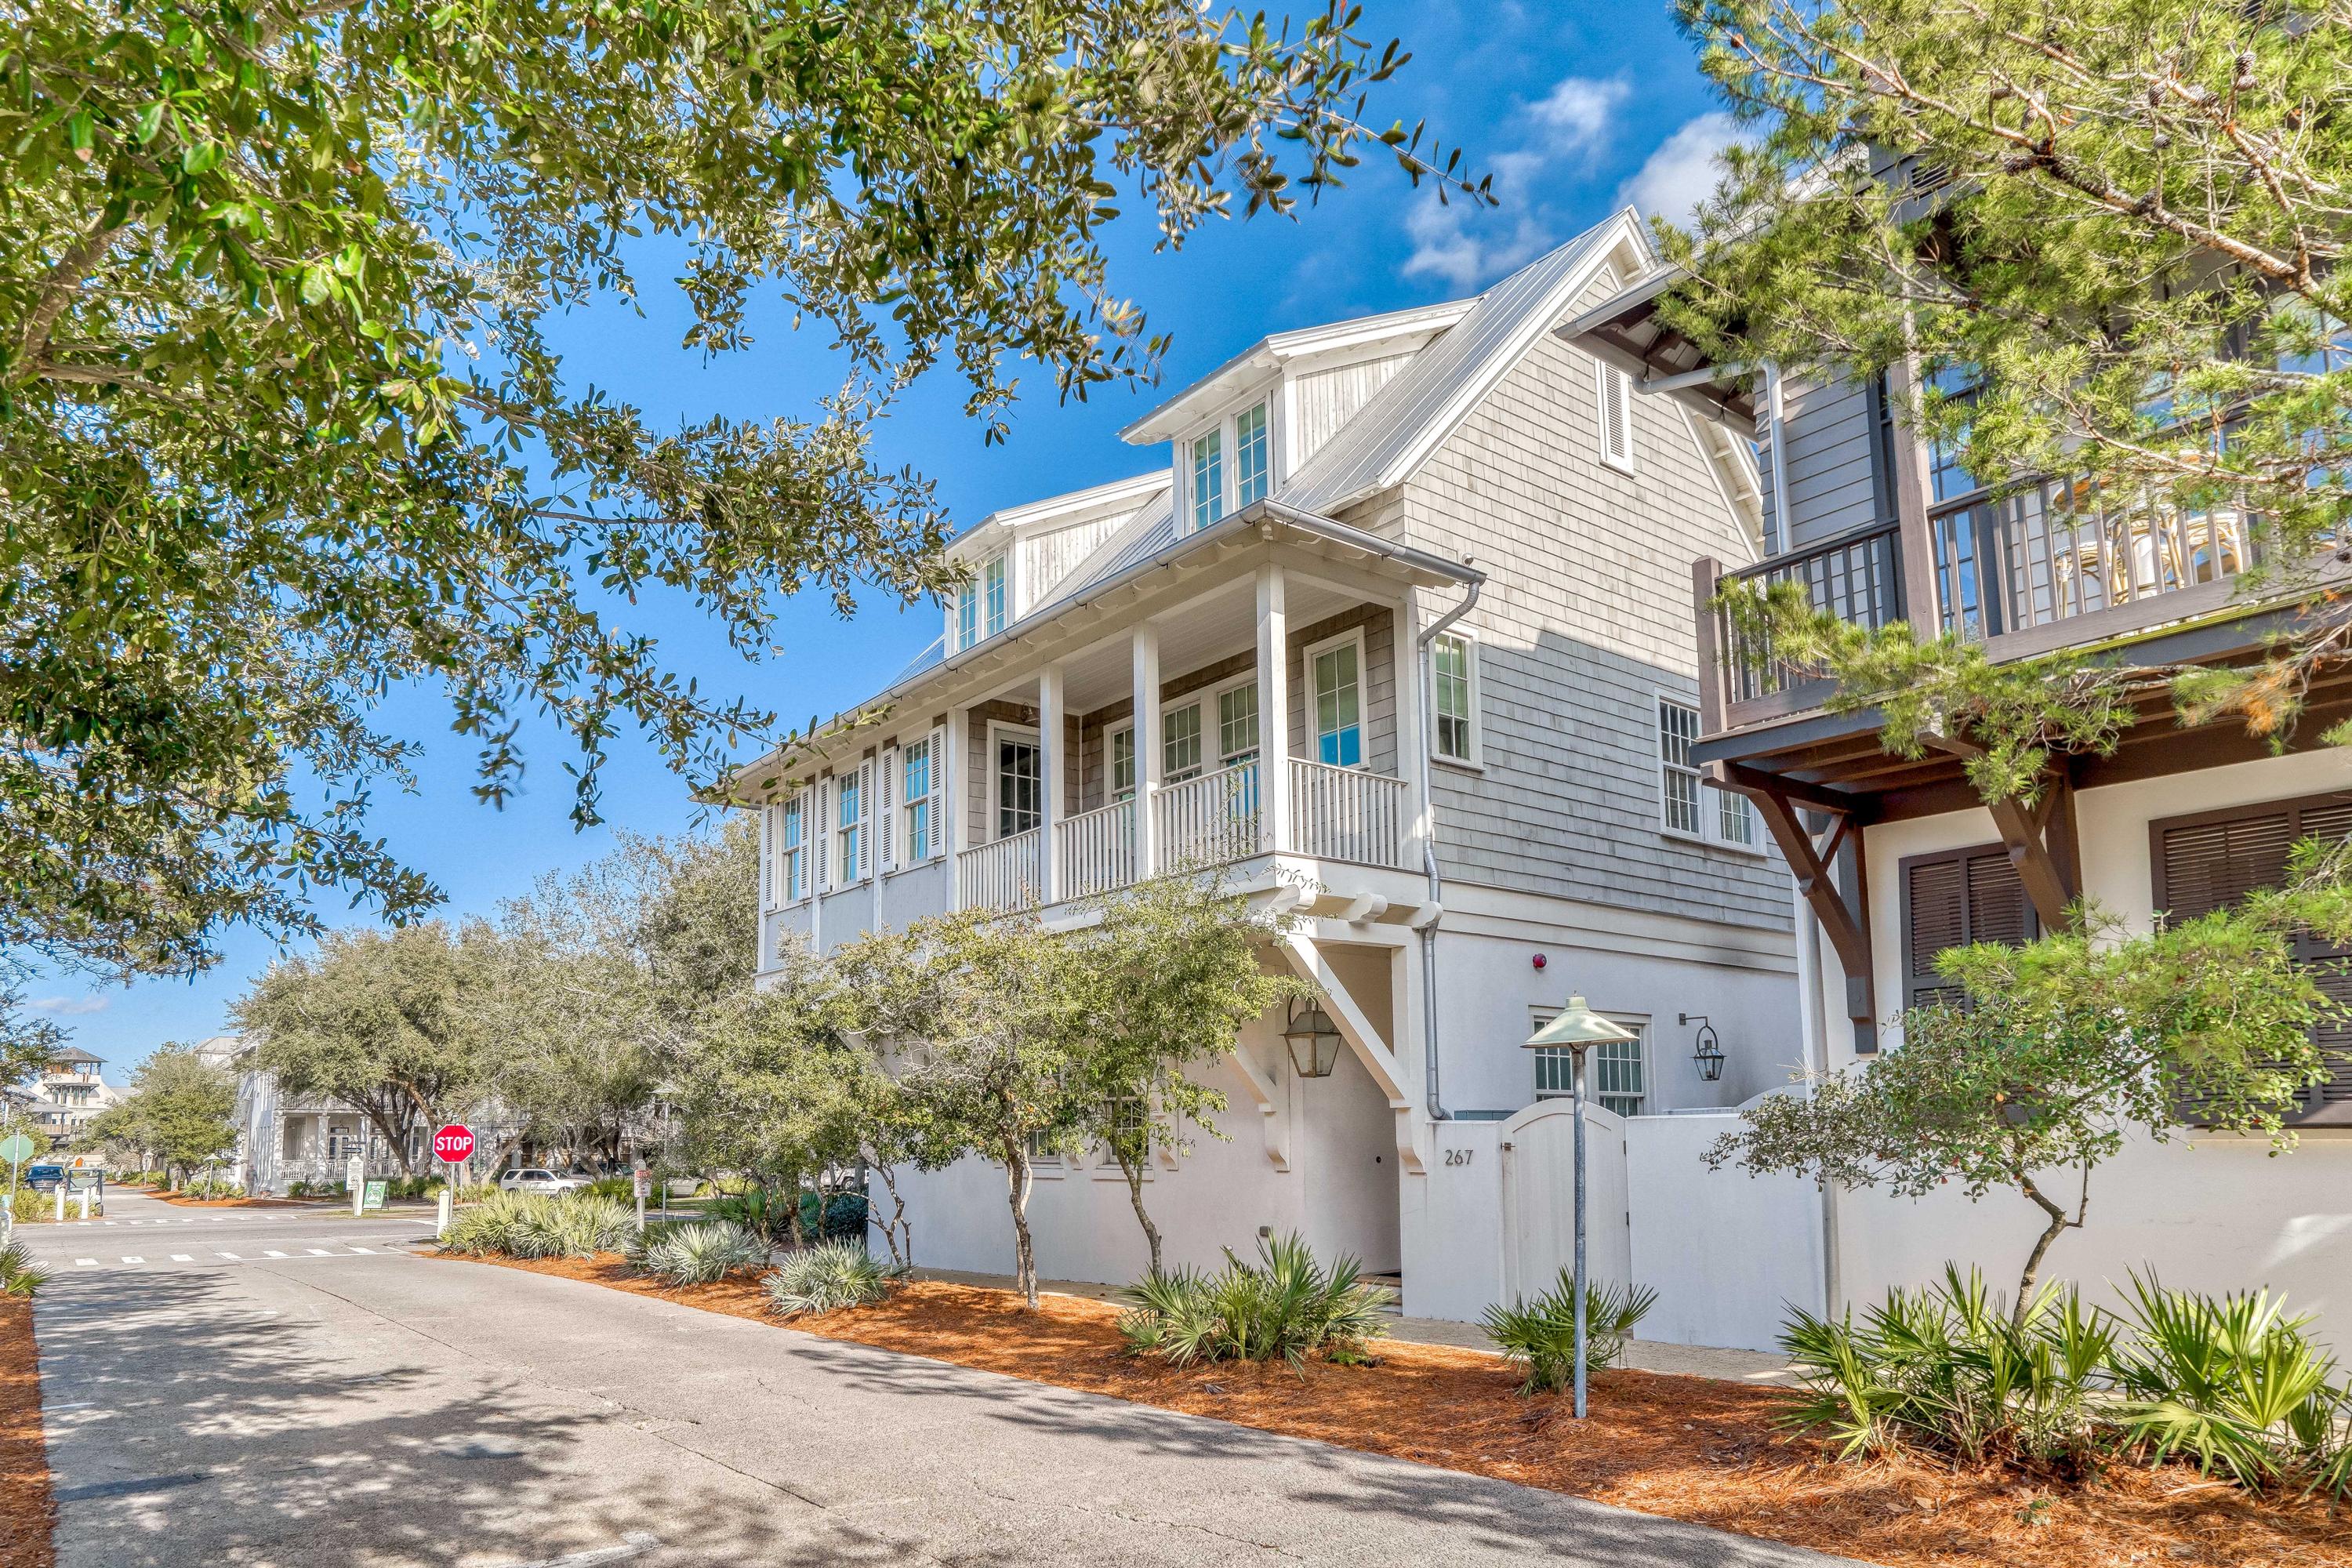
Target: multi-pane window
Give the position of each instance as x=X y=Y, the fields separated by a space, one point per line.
x=791 y=848
x=1238 y=724
x=1734 y=819
x=850 y=827
x=1677 y=777
x=1617 y=1071
x=1019 y=785
x=1249 y=467
x=1337 y=680
x=1123 y=763
x=916 y=773
x=1616 y=399
x=992 y=582
x=1208 y=478
x=1947 y=476
x=967 y=616
x=1180 y=751
x=1453 y=674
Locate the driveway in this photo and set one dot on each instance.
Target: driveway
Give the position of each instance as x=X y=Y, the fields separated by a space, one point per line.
x=366 y=1407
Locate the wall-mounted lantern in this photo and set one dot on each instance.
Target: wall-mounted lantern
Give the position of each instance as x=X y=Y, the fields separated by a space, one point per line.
x=1313 y=1039
x=1708 y=1052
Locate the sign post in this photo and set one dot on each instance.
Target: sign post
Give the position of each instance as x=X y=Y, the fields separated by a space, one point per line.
x=453 y=1145
x=355 y=1181
x=643 y=1180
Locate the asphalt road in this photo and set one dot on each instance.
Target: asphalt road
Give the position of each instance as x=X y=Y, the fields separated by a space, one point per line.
x=375 y=1407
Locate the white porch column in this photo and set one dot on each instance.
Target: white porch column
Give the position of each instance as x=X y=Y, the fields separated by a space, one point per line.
x=1412 y=724
x=1049 y=780
x=956 y=791
x=1273 y=707
x=1149 y=760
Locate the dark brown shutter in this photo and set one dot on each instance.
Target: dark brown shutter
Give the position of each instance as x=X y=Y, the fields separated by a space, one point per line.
x=1951 y=899
x=2211 y=860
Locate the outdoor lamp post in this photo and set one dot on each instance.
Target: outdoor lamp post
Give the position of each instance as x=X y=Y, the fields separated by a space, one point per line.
x=1579 y=1029
x=1314 y=1041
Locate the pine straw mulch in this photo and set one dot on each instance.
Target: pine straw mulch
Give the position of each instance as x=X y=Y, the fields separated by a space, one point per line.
x=1688 y=1447
x=25 y=1509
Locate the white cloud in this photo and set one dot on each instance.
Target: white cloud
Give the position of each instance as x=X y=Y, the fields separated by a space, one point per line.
x=1468 y=245
x=1683 y=172
x=69 y=1006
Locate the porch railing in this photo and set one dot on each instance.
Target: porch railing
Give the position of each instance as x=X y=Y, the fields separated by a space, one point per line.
x=1346 y=814
x=1009 y=874
x=1209 y=820
x=1857 y=575
x=1096 y=850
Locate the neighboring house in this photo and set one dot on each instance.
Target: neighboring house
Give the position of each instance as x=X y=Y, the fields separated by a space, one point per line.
x=283 y=1141
x=69 y=1091
x=1416 y=575
x=1902 y=859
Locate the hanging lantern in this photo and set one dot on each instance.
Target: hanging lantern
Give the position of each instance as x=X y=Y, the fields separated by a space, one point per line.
x=1709 y=1051
x=1313 y=1039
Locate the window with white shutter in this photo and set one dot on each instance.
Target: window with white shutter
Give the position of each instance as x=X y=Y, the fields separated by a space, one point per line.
x=1955 y=898
x=937 y=838
x=823 y=797
x=886 y=811
x=2212 y=860
x=792 y=847
x=1616 y=393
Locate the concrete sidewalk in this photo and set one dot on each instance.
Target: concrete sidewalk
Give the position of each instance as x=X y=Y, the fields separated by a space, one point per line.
x=1647 y=1355
x=404 y=1410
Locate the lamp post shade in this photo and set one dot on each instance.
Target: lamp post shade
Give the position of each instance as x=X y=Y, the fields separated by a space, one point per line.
x=1579 y=1029
x=1314 y=1041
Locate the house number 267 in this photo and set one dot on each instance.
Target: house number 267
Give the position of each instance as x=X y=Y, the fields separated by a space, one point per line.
x=1459 y=1156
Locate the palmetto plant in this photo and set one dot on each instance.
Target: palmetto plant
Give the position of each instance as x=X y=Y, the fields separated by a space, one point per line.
x=1286 y=1304
x=534 y=1224
x=1539 y=1336
x=705 y=1253
x=19 y=1275
x=823 y=1279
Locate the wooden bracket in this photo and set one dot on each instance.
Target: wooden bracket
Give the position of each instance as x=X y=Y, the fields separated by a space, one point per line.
x=2040 y=836
x=1829 y=875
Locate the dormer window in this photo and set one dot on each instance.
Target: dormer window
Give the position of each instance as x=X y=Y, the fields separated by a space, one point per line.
x=980 y=606
x=1228 y=466
x=991 y=584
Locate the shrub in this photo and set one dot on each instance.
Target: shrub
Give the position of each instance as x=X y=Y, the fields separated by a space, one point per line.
x=704 y=1252
x=622 y=1189
x=834 y=1275
x=211 y=1189
x=535 y=1225
x=754 y=1210
x=19 y=1275
x=1286 y=1304
x=843 y=1218
x=1539 y=1336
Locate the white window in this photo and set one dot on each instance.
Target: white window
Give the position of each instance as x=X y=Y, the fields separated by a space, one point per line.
x=791 y=839
x=1684 y=808
x=1615 y=390
x=1180 y=750
x=1228 y=466
x=991 y=585
x=1237 y=723
x=1454 y=671
x=921 y=765
x=1208 y=478
x=967 y=616
x=1122 y=761
x=1249 y=467
x=1020 y=782
x=849 y=793
x=1336 y=680
x=1617 y=1071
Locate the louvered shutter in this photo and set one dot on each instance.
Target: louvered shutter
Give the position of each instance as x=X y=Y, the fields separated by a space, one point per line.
x=824 y=833
x=886 y=817
x=1616 y=415
x=1953 y=900
x=768 y=875
x=939 y=776
x=2210 y=861
x=866 y=816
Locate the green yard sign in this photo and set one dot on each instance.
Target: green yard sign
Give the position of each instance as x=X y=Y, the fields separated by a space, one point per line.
x=373 y=1197
x=16 y=1149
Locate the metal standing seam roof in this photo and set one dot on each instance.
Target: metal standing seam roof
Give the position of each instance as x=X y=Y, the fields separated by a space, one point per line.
x=1400 y=416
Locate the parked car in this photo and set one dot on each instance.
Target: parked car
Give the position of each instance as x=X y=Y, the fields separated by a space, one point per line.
x=537 y=1179
x=44 y=1178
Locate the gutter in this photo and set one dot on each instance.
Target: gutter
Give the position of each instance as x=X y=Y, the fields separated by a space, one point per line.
x=1475 y=582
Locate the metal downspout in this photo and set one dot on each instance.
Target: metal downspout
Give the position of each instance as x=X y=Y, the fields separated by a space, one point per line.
x=1429 y=838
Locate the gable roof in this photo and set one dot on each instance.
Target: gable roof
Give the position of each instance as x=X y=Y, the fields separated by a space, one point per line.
x=1403 y=423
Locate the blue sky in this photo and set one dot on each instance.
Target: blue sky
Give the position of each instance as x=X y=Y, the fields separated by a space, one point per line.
x=1576 y=110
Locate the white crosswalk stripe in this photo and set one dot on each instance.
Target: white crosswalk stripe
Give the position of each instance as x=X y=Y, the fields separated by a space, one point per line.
x=85 y=1263
x=127 y=1259
x=270 y=1252
x=232 y=1257
x=183 y=1257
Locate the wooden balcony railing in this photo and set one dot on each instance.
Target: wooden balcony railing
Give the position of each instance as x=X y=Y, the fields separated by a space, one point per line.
x=1096 y=850
x=1209 y=820
x=1009 y=874
x=1346 y=814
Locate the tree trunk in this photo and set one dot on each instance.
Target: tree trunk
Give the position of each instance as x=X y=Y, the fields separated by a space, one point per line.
x=1133 y=1171
x=1018 y=1180
x=2059 y=1224
x=793 y=1209
x=891 y=1228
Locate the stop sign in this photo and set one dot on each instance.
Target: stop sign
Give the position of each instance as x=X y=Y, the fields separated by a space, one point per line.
x=454 y=1142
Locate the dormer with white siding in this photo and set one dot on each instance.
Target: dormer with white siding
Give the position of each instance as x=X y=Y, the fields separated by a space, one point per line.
x=1020 y=558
